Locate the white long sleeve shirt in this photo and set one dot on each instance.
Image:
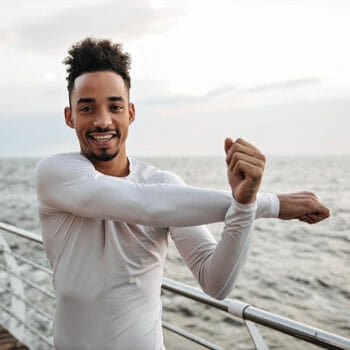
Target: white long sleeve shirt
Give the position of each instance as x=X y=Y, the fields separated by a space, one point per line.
x=106 y=239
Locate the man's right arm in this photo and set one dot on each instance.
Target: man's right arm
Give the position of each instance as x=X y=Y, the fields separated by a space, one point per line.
x=70 y=183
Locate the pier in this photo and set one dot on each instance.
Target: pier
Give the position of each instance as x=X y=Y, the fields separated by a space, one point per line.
x=9 y=342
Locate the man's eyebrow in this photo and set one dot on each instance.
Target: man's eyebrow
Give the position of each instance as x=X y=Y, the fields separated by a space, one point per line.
x=115 y=98
x=92 y=100
x=86 y=100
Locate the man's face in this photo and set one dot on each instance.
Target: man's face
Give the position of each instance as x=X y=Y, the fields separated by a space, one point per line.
x=100 y=113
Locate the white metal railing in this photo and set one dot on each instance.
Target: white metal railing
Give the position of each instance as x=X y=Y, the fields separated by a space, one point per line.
x=21 y=289
x=248 y=314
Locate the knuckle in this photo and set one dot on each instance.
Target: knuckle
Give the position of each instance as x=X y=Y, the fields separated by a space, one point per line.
x=235 y=157
x=239 y=162
x=310 y=194
x=260 y=174
x=235 y=147
x=309 y=203
x=261 y=164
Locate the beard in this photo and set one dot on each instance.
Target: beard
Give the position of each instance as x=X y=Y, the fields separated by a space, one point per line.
x=104 y=156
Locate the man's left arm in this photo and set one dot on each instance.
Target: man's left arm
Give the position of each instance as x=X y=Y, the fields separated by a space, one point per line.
x=216 y=265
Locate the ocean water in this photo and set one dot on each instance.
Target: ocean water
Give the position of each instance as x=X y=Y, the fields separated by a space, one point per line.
x=296 y=270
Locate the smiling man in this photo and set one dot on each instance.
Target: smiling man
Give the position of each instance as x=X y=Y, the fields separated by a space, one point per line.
x=106 y=217
x=101 y=113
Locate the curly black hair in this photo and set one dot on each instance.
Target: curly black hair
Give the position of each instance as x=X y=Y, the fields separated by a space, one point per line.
x=92 y=55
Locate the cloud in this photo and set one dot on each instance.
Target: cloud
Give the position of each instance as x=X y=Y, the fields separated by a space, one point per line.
x=286 y=85
x=298 y=127
x=122 y=20
x=44 y=97
x=228 y=93
x=220 y=91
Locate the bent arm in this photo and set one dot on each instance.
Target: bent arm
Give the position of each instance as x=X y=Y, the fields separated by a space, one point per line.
x=71 y=183
x=216 y=266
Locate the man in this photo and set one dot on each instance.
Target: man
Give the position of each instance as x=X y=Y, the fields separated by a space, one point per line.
x=106 y=217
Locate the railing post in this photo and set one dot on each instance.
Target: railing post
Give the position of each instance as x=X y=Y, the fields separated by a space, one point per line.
x=18 y=307
x=237 y=309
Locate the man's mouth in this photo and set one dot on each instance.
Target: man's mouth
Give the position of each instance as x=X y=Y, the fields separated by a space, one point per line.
x=103 y=137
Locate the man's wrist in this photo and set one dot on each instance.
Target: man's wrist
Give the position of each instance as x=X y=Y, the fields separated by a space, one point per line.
x=243 y=206
x=268 y=205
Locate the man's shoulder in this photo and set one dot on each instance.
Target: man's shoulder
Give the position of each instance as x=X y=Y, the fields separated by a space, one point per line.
x=149 y=173
x=54 y=165
x=61 y=157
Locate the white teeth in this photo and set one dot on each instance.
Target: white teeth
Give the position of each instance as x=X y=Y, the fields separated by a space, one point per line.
x=102 y=137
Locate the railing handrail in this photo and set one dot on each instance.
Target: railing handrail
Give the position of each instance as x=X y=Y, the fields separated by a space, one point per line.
x=20 y=232
x=235 y=307
x=247 y=312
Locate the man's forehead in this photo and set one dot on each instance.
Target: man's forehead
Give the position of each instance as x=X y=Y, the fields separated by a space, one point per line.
x=101 y=77
x=104 y=83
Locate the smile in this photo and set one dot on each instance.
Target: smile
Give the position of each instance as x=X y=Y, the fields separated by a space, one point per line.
x=102 y=137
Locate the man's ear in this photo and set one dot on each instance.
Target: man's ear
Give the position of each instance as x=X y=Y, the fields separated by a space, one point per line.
x=68 y=117
x=131 y=113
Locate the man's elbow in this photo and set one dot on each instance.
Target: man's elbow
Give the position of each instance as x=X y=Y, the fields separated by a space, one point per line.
x=219 y=292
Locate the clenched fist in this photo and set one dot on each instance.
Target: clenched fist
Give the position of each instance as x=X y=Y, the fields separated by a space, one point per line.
x=245 y=168
x=304 y=206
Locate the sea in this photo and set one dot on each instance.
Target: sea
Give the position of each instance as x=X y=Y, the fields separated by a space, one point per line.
x=294 y=269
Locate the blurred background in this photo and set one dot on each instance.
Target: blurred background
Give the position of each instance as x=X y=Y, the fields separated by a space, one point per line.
x=274 y=72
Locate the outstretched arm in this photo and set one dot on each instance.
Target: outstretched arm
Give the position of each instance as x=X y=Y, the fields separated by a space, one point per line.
x=217 y=265
x=70 y=183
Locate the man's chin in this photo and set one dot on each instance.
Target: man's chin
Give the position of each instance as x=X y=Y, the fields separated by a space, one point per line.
x=104 y=156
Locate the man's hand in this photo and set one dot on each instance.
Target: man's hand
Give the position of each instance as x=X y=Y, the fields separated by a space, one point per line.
x=245 y=168
x=304 y=206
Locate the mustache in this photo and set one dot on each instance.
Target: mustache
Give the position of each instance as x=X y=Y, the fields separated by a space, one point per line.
x=105 y=130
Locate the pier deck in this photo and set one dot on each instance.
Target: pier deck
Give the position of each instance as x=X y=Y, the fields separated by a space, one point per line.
x=9 y=342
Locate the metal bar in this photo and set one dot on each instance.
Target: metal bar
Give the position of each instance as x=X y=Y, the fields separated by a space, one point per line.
x=236 y=308
x=29 y=262
x=206 y=344
x=193 y=293
x=20 y=232
x=224 y=305
x=26 y=301
x=17 y=306
x=30 y=283
x=31 y=329
x=298 y=330
x=244 y=311
x=256 y=336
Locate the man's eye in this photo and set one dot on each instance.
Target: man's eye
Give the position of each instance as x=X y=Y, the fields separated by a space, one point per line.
x=85 y=109
x=116 y=108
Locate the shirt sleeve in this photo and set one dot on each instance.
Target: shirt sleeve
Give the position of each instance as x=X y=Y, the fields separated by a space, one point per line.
x=216 y=265
x=268 y=205
x=70 y=183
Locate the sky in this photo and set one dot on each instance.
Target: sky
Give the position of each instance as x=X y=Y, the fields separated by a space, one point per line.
x=276 y=73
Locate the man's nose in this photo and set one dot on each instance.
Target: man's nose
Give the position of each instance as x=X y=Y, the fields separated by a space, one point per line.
x=103 y=120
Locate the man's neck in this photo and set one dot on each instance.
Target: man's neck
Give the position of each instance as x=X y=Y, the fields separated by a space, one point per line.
x=118 y=166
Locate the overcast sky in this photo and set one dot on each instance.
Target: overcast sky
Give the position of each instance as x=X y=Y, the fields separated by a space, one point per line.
x=274 y=72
